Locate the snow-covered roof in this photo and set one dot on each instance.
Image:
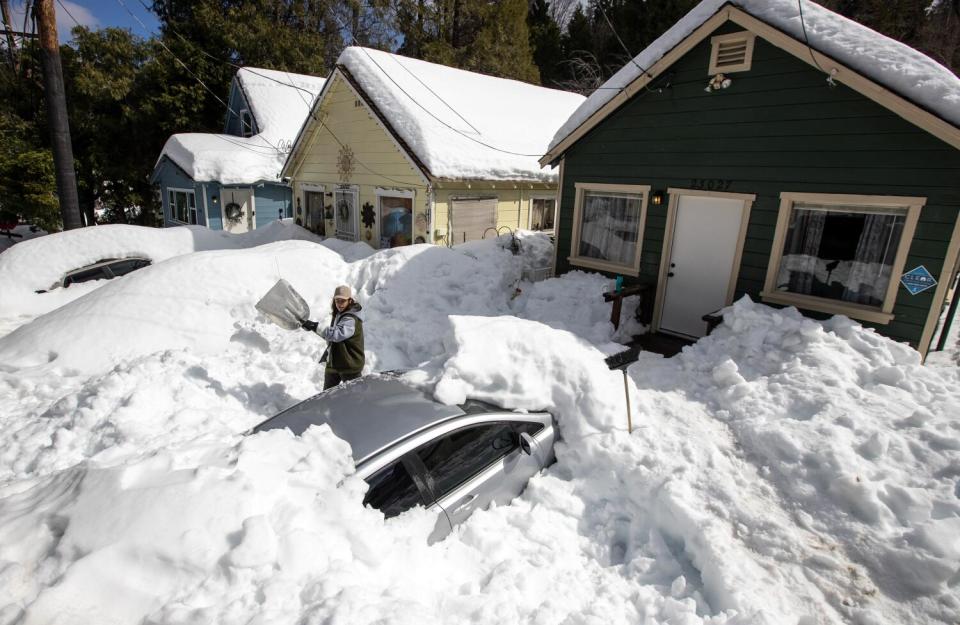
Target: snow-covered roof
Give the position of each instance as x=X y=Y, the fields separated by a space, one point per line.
x=460 y=124
x=279 y=102
x=892 y=64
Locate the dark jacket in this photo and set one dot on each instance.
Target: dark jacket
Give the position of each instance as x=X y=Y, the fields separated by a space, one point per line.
x=345 y=338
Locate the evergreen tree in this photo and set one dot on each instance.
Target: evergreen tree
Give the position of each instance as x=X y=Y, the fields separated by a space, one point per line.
x=476 y=35
x=545 y=41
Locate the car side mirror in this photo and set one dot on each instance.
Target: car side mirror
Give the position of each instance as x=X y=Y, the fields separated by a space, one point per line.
x=526 y=443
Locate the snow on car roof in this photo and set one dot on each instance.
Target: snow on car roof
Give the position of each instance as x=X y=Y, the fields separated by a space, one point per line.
x=886 y=61
x=370 y=413
x=279 y=101
x=460 y=124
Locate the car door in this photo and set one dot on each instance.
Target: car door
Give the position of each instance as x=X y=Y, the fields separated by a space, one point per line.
x=393 y=490
x=478 y=464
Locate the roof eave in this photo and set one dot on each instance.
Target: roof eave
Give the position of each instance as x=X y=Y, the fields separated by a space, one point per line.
x=899 y=104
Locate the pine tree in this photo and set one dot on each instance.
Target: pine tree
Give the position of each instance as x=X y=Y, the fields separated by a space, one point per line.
x=476 y=35
x=545 y=41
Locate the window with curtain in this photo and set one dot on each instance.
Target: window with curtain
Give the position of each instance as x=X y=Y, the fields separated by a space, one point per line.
x=542 y=213
x=843 y=253
x=610 y=226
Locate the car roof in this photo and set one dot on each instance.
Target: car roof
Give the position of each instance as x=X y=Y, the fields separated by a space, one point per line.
x=370 y=413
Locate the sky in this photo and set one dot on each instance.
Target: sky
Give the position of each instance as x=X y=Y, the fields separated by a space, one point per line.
x=94 y=14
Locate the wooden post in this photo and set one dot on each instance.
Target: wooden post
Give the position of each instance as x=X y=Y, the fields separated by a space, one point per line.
x=626 y=392
x=57 y=111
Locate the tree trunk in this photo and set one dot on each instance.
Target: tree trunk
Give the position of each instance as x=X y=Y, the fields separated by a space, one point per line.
x=57 y=111
x=8 y=25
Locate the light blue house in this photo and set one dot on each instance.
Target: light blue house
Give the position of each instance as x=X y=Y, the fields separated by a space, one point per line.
x=231 y=181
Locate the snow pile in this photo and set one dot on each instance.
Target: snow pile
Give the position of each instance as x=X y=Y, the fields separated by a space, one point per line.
x=892 y=64
x=460 y=124
x=782 y=470
x=41 y=263
x=279 y=103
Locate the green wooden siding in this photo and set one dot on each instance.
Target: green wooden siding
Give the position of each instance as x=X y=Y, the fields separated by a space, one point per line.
x=778 y=128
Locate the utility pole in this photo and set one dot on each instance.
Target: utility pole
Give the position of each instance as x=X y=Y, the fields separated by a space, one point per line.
x=8 y=27
x=57 y=112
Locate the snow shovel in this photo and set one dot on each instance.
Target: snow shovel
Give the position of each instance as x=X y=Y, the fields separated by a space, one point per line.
x=284 y=306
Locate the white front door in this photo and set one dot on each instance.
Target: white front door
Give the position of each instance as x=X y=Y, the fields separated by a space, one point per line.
x=238 y=210
x=706 y=234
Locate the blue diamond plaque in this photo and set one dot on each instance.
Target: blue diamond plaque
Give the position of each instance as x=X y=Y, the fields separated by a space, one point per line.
x=918 y=280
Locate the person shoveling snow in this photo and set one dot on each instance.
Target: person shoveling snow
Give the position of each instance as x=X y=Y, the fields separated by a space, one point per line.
x=344 y=355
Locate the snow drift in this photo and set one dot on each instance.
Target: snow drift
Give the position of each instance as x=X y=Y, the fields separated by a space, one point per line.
x=781 y=470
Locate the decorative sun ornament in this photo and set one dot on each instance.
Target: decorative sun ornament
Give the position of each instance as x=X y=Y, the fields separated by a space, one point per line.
x=368 y=215
x=346 y=163
x=718 y=82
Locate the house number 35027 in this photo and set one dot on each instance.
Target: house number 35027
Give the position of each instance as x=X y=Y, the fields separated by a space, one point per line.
x=710 y=184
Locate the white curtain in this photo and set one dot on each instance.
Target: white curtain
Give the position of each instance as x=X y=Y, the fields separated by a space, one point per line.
x=801 y=251
x=870 y=272
x=609 y=228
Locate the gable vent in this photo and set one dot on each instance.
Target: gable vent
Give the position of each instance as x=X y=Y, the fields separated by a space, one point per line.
x=731 y=53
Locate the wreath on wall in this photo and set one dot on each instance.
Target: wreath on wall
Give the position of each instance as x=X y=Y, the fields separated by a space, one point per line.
x=233 y=211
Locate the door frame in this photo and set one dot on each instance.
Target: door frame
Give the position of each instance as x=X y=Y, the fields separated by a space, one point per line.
x=675 y=195
x=311 y=187
x=355 y=190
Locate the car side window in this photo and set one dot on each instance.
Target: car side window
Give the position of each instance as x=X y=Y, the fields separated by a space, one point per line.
x=456 y=457
x=392 y=490
x=530 y=427
x=123 y=267
x=85 y=276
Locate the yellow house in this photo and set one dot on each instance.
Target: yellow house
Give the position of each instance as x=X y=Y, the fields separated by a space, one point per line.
x=399 y=151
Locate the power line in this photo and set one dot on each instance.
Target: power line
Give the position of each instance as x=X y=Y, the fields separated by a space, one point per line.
x=337 y=139
x=633 y=59
x=195 y=76
x=64 y=7
x=427 y=87
x=427 y=111
x=806 y=40
x=299 y=90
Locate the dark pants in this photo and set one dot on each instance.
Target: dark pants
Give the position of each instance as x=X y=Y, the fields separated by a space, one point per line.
x=332 y=378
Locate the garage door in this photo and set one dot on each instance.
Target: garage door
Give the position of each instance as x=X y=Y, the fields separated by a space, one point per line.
x=469 y=218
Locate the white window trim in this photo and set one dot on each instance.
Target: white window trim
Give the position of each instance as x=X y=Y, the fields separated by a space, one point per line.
x=172 y=206
x=747 y=55
x=243 y=126
x=543 y=196
x=406 y=194
x=355 y=190
x=593 y=263
x=883 y=314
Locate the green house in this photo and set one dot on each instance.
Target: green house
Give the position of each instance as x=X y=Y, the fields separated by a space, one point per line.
x=798 y=158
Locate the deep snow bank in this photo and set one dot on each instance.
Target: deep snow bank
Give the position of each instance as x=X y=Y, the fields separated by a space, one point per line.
x=39 y=263
x=780 y=471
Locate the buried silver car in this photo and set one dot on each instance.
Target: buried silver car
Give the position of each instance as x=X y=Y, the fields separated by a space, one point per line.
x=415 y=451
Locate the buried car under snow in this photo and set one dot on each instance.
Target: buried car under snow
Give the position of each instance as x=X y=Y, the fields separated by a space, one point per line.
x=106 y=269
x=413 y=450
